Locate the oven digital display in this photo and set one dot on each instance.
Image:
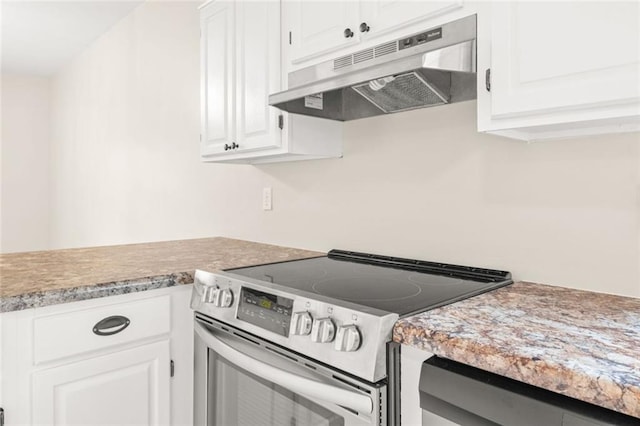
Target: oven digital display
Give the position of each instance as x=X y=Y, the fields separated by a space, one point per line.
x=266 y=303
x=265 y=310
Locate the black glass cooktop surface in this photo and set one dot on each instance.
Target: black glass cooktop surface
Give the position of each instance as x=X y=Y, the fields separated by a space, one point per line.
x=402 y=286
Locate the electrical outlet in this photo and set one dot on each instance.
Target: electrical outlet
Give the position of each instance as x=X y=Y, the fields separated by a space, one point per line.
x=267 y=199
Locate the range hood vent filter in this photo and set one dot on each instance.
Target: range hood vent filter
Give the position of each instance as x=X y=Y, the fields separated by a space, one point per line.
x=404 y=92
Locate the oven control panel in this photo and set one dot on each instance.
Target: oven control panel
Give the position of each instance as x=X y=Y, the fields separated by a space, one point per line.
x=338 y=334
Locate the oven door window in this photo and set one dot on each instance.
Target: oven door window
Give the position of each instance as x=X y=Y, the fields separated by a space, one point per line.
x=237 y=397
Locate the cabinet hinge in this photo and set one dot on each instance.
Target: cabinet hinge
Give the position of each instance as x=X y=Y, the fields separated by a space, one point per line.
x=487 y=79
x=172 y=370
x=281 y=122
x=1 y=416
x=289 y=37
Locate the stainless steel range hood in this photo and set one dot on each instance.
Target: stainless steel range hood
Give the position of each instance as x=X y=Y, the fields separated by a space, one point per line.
x=434 y=67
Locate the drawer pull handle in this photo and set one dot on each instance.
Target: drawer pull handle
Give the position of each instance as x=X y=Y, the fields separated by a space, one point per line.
x=111 y=325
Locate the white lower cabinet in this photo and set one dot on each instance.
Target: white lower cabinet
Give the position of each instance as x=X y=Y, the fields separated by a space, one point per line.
x=120 y=360
x=129 y=387
x=411 y=360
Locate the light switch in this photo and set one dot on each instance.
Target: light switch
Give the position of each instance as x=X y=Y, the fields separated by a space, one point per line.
x=267 y=203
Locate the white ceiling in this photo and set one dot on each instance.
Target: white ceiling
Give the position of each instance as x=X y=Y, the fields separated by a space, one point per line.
x=40 y=37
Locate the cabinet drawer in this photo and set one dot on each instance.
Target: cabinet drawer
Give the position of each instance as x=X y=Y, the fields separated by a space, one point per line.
x=71 y=333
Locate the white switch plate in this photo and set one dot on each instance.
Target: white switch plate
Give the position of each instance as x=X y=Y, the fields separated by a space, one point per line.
x=267 y=203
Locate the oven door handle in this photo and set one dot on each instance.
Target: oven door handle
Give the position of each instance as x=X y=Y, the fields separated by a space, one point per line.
x=295 y=383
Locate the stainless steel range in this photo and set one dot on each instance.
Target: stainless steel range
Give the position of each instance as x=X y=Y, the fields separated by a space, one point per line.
x=308 y=342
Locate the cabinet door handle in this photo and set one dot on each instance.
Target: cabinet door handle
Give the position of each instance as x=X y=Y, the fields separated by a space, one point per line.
x=487 y=79
x=111 y=325
x=235 y=145
x=364 y=28
x=348 y=33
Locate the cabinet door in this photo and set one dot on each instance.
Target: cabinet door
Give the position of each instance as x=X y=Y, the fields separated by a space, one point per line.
x=555 y=56
x=257 y=74
x=217 y=77
x=128 y=387
x=382 y=16
x=318 y=27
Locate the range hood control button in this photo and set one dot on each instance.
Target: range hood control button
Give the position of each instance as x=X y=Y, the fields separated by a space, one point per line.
x=323 y=330
x=222 y=297
x=348 y=338
x=301 y=323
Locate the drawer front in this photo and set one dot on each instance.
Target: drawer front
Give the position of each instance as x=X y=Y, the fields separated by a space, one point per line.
x=72 y=333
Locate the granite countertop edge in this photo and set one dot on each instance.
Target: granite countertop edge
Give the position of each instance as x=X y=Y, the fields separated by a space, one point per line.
x=522 y=369
x=39 y=299
x=44 y=278
x=430 y=332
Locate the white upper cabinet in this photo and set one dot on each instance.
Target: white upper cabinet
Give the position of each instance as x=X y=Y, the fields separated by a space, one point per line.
x=382 y=16
x=240 y=67
x=218 y=69
x=320 y=28
x=257 y=74
x=562 y=68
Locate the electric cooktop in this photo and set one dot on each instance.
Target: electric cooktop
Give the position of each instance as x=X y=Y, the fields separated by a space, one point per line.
x=395 y=285
x=339 y=309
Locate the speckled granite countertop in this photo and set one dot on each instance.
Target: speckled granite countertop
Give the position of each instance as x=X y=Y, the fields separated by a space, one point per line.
x=581 y=344
x=41 y=278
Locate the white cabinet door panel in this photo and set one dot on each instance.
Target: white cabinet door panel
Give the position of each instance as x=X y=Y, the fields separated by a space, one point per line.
x=129 y=387
x=317 y=27
x=217 y=94
x=553 y=56
x=257 y=74
x=383 y=16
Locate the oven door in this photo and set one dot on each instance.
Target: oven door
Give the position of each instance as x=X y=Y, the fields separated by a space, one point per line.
x=241 y=379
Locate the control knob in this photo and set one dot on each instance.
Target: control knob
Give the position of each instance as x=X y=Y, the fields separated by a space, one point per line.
x=302 y=322
x=323 y=330
x=207 y=294
x=222 y=297
x=348 y=338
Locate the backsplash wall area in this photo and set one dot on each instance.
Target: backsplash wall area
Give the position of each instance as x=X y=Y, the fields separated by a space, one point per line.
x=425 y=184
x=422 y=184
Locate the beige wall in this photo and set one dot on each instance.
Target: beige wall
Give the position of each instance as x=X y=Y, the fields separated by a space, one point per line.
x=125 y=135
x=422 y=184
x=24 y=182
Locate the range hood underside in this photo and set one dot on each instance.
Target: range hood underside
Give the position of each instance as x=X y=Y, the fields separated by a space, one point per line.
x=346 y=104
